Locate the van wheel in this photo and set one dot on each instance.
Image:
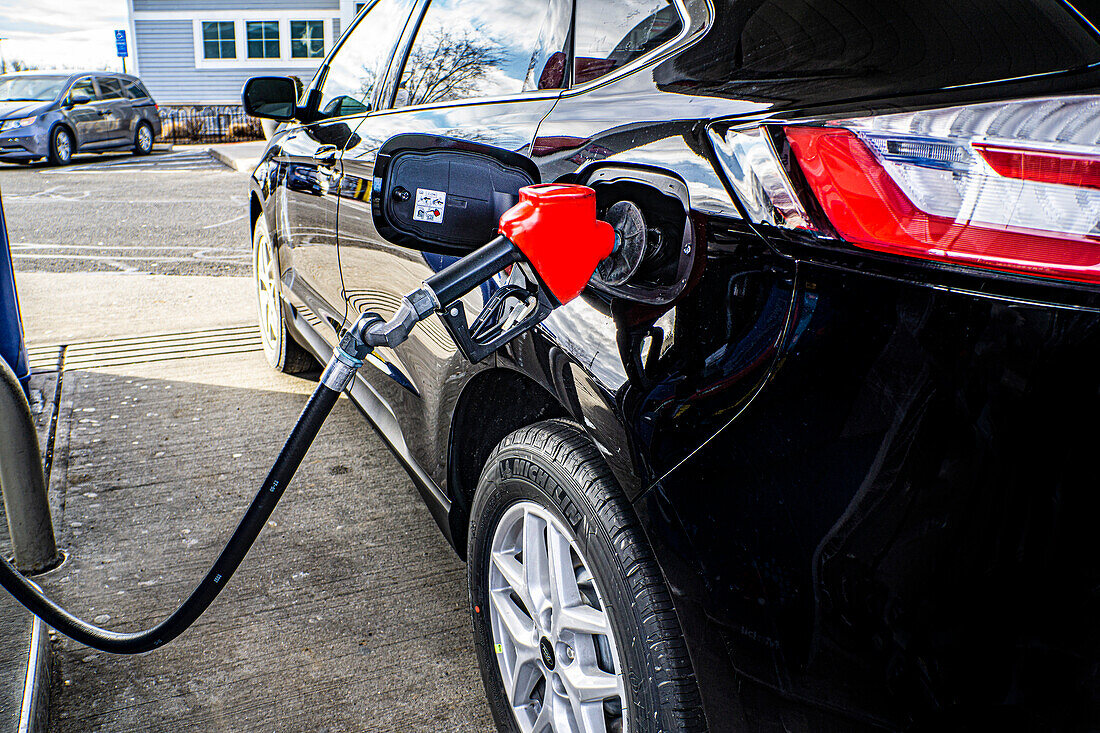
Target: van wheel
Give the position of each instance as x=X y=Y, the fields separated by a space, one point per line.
x=61 y=146
x=143 y=139
x=573 y=623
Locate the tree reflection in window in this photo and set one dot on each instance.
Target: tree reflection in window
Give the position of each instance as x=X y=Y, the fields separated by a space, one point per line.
x=447 y=65
x=477 y=48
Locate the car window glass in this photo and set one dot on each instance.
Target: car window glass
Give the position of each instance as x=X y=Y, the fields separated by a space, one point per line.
x=111 y=89
x=361 y=62
x=31 y=88
x=84 y=86
x=134 y=90
x=612 y=33
x=464 y=50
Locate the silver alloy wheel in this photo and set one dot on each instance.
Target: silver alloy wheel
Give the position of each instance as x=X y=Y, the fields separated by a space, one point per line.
x=267 y=294
x=554 y=645
x=145 y=138
x=64 y=145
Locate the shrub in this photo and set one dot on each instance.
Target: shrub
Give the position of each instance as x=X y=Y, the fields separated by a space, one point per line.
x=187 y=128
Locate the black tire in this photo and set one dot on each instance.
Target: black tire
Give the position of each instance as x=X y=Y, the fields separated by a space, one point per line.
x=282 y=351
x=143 y=143
x=555 y=465
x=61 y=146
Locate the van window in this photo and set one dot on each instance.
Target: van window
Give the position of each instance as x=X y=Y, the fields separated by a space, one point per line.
x=111 y=88
x=84 y=86
x=134 y=90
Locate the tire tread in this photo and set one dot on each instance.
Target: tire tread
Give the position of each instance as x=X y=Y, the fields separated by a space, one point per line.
x=569 y=447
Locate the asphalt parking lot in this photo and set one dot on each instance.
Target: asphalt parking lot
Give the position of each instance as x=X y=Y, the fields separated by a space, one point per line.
x=349 y=614
x=172 y=213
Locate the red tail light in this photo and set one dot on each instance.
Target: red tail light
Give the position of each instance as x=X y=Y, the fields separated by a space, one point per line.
x=1013 y=187
x=1034 y=165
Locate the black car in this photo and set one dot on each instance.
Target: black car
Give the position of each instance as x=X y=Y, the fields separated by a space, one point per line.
x=814 y=450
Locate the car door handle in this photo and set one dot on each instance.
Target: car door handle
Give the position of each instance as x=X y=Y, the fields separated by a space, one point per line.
x=326 y=155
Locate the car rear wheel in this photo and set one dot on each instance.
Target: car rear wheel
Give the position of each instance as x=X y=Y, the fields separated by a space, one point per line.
x=61 y=146
x=143 y=139
x=280 y=348
x=573 y=624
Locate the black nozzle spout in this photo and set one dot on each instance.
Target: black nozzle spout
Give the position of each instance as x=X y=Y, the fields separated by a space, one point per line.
x=451 y=283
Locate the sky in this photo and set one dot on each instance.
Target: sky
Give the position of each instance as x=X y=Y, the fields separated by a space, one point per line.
x=62 y=33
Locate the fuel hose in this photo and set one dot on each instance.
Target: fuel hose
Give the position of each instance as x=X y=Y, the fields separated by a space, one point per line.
x=290 y=457
x=357 y=342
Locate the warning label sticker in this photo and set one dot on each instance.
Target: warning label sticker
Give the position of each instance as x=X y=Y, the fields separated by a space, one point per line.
x=429 y=205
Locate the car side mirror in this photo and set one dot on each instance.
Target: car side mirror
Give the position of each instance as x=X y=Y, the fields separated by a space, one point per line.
x=271 y=97
x=77 y=98
x=444 y=195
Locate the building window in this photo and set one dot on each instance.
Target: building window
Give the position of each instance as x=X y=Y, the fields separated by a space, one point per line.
x=263 y=39
x=307 y=39
x=219 y=40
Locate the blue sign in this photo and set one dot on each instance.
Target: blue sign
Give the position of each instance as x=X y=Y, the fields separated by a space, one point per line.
x=120 y=43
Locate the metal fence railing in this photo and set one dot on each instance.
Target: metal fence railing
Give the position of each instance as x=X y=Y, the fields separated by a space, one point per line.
x=208 y=125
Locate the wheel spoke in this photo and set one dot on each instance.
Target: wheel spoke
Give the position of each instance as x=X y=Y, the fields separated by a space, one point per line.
x=582 y=619
x=535 y=562
x=561 y=712
x=520 y=628
x=545 y=719
x=513 y=573
x=590 y=716
x=590 y=683
x=563 y=578
x=524 y=678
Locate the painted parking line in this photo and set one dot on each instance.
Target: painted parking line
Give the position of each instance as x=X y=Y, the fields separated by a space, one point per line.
x=198 y=160
x=127 y=258
x=19 y=246
x=199 y=256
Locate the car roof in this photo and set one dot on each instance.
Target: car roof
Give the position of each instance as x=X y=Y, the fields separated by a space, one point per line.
x=38 y=72
x=69 y=74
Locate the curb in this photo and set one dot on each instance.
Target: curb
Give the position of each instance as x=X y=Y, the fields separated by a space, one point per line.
x=246 y=166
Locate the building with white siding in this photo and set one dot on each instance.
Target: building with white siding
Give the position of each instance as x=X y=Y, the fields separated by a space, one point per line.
x=201 y=52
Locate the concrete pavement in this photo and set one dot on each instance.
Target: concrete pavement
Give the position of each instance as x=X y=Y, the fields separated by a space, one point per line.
x=348 y=615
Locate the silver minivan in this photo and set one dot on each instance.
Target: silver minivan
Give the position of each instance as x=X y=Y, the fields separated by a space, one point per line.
x=53 y=115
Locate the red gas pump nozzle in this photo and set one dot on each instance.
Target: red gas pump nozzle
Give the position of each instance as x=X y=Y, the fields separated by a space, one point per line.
x=556 y=228
x=553 y=229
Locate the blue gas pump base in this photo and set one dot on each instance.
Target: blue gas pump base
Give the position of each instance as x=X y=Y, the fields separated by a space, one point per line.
x=12 y=348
